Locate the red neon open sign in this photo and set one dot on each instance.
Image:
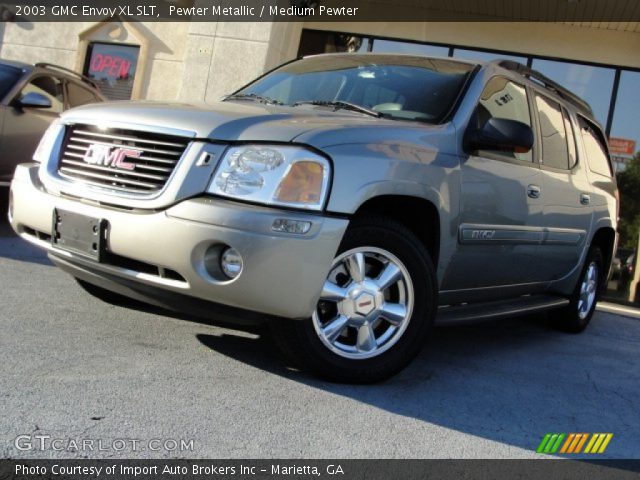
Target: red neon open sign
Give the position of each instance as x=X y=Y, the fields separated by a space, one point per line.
x=112 y=65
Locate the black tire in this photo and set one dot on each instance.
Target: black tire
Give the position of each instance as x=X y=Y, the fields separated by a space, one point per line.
x=570 y=319
x=4 y=203
x=301 y=344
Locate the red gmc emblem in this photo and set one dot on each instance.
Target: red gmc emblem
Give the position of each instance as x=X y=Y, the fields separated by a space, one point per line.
x=108 y=156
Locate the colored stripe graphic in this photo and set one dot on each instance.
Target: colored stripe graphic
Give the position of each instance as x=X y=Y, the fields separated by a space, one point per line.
x=582 y=441
x=577 y=444
x=605 y=443
x=550 y=443
x=574 y=443
x=590 y=444
x=598 y=443
x=543 y=443
x=556 y=445
x=570 y=438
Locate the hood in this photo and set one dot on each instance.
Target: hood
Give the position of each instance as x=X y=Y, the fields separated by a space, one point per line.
x=240 y=121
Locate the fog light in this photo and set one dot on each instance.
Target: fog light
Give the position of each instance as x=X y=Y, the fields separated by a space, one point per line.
x=231 y=262
x=285 y=225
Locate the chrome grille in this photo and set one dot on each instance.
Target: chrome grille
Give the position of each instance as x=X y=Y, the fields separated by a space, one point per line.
x=156 y=156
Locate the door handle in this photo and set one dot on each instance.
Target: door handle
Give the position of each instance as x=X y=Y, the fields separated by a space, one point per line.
x=533 y=191
x=585 y=199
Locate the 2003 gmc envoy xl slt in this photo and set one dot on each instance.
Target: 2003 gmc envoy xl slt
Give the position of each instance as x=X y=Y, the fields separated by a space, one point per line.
x=348 y=199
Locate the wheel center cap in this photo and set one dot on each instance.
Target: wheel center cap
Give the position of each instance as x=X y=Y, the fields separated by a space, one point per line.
x=364 y=303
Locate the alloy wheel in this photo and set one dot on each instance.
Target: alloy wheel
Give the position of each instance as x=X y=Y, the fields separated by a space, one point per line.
x=588 y=290
x=365 y=305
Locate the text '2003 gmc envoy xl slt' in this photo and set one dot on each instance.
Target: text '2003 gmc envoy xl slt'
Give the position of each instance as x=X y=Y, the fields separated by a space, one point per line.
x=348 y=199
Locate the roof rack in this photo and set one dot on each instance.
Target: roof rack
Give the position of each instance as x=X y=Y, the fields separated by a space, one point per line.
x=547 y=83
x=69 y=71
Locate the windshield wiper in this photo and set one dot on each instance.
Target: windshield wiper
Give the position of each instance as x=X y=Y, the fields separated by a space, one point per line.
x=252 y=96
x=340 y=104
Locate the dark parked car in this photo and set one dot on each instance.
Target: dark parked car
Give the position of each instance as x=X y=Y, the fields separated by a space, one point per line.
x=32 y=97
x=626 y=272
x=619 y=260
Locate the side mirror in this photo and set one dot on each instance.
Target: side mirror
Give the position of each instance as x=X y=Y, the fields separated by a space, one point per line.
x=33 y=100
x=500 y=134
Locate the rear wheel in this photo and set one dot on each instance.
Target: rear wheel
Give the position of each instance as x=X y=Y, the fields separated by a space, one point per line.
x=375 y=309
x=576 y=316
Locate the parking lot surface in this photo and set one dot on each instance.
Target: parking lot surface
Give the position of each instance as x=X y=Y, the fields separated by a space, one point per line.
x=75 y=368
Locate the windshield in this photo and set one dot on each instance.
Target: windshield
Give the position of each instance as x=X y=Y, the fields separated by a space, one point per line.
x=396 y=86
x=8 y=78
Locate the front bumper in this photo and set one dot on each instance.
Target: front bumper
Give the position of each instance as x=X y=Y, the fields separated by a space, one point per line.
x=282 y=275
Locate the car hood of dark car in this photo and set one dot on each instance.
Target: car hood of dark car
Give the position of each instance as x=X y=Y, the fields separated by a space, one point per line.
x=242 y=120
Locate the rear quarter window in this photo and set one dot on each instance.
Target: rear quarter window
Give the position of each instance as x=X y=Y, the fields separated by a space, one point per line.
x=595 y=148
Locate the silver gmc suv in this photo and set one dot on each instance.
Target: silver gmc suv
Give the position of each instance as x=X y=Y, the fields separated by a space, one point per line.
x=348 y=199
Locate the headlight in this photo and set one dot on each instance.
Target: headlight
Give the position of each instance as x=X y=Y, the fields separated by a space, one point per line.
x=48 y=141
x=273 y=175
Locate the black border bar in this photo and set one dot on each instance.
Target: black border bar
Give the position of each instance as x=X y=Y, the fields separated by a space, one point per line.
x=29 y=11
x=339 y=469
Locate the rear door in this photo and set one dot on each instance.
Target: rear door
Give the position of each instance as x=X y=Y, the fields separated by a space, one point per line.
x=501 y=213
x=565 y=191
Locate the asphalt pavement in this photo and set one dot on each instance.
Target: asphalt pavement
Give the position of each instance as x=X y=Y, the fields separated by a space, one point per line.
x=74 y=369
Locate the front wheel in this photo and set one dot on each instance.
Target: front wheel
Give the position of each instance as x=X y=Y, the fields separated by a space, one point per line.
x=375 y=310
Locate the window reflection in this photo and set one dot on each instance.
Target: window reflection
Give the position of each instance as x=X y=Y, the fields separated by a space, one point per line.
x=555 y=151
x=314 y=42
x=486 y=56
x=502 y=98
x=593 y=84
x=389 y=46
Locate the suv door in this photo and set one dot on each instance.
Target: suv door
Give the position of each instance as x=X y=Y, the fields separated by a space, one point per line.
x=9 y=77
x=23 y=127
x=501 y=215
x=565 y=191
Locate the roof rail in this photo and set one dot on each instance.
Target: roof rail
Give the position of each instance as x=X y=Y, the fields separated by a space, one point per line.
x=69 y=71
x=547 y=83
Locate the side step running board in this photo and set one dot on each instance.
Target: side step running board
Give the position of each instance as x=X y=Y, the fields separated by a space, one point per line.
x=498 y=309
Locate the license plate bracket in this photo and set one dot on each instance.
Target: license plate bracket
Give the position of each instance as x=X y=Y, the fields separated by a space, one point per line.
x=79 y=234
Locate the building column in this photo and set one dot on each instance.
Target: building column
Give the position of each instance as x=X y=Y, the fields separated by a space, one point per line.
x=634 y=286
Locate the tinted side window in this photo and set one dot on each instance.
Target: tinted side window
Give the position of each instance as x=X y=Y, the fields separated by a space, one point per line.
x=78 y=95
x=502 y=98
x=555 y=152
x=51 y=88
x=594 y=146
